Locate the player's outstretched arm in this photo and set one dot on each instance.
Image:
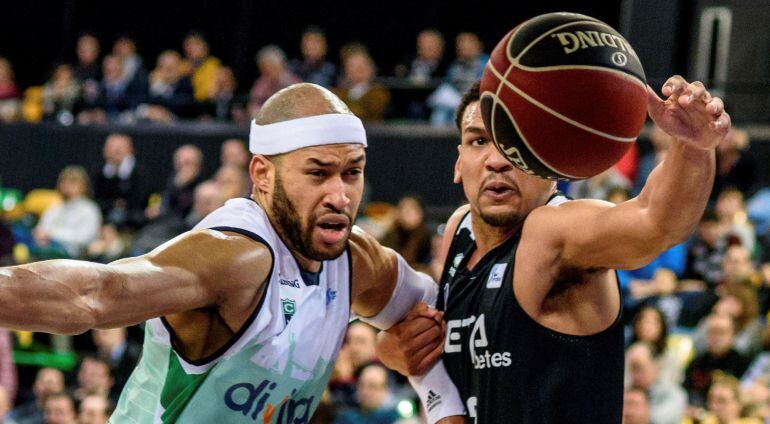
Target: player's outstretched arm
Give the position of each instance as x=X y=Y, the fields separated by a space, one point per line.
x=188 y=272
x=594 y=234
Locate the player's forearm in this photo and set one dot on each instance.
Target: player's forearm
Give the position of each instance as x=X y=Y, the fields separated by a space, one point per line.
x=51 y=296
x=676 y=193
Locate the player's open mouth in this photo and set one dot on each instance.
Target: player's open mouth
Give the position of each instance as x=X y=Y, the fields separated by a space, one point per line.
x=333 y=228
x=498 y=189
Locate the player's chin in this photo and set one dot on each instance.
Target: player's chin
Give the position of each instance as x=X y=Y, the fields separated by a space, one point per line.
x=499 y=215
x=329 y=243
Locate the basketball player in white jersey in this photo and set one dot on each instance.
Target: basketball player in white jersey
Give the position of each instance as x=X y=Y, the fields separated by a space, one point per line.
x=246 y=313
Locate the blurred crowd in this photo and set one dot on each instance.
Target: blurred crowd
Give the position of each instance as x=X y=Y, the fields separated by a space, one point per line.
x=698 y=339
x=119 y=85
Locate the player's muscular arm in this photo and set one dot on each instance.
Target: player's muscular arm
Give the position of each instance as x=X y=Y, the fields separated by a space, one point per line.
x=375 y=269
x=593 y=234
x=191 y=271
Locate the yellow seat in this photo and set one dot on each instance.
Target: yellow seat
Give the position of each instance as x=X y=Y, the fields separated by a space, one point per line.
x=40 y=199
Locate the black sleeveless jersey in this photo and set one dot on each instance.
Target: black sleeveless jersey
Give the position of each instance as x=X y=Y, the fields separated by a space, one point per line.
x=509 y=368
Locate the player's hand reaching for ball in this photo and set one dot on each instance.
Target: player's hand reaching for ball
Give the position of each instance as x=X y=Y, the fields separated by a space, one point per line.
x=412 y=346
x=689 y=113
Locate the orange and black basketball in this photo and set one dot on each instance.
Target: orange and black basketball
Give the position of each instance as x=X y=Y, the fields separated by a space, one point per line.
x=563 y=96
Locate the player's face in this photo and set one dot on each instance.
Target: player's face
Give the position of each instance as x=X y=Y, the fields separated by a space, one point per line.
x=316 y=196
x=499 y=193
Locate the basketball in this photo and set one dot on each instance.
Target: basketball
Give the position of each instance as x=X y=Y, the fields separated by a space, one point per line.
x=563 y=96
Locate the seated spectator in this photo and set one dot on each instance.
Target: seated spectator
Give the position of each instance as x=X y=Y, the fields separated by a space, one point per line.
x=234 y=152
x=116 y=95
x=365 y=98
x=731 y=210
x=274 y=75
x=636 y=407
x=87 y=67
x=657 y=279
x=599 y=186
x=177 y=197
x=59 y=408
x=47 y=382
x=736 y=166
x=223 y=105
x=409 y=235
x=465 y=71
x=740 y=302
x=737 y=268
x=67 y=228
x=199 y=65
x=720 y=355
x=232 y=182
x=724 y=403
x=60 y=94
x=428 y=63
x=758 y=372
x=121 y=185
x=207 y=198
x=121 y=354
x=95 y=409
x=650 y=326
x=171 y=93
x=94 y=378
x=373 y=399
x=313 y=66
x=706 y=252
x=10 y=104
x=133 y=65
x=667 y=400
x=358 y=350
x=5 y=407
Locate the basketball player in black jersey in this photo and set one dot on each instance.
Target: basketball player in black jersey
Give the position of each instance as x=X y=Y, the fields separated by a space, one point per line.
x=530 y=297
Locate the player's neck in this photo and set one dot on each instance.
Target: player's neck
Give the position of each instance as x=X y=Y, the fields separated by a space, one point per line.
x=488 y=237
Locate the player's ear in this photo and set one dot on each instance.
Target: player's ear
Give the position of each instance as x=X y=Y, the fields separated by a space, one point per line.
x=458 y=176
x=262 y=172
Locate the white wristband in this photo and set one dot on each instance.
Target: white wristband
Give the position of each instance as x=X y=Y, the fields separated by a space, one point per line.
x=438 y=394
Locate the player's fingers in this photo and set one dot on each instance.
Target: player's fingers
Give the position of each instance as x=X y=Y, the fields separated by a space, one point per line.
x=430 y=359
x=722 y=123
x=427 y=337
x=418 y=326
x=694 y=92
x=716 y=106
x=674 y=86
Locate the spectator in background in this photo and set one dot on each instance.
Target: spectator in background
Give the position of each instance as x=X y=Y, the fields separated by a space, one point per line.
x=47 y=382
x=667 y=400
x=274 y=75
x=365 y=98
x=429 y=61
x=735 y=165
x=171 y=92
x=737 y=268
x=121 y=186
x=87 y=67
x=200 y=65
x=599 y=186
x=707 y=250
x=358 y=350
x=108 y=247
x=234 y=152
x=720 y=355
x=739 y=302
x=636 y=407
x=9 y=93
x=209 y=196
x=60 y=95
x=120 y=354
x=59 y=408
x=116 y=95
x=650 y=326
x=8 y=377
x=724 y=403
x=313 y=66
x=70 y=226
x=94 y=378
x=409 y=234
x=232 y=182
x=656 y=280
x=223 y=105
x=373 y=397
x=731 y=210
x=177 y=197
x=95 y=409
x=133 y=66
x=462 y=74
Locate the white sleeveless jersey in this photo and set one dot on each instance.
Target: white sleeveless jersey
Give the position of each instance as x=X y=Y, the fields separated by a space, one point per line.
x=273 y=370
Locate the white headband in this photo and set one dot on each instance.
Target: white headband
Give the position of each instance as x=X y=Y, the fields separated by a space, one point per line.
x=283 y=137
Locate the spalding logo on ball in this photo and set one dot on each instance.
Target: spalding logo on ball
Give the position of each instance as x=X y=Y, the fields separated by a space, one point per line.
x=564 y=96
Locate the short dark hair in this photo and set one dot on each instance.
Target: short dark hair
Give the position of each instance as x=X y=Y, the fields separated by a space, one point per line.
x=314 y=29
x=709 y=215
x=470 y=96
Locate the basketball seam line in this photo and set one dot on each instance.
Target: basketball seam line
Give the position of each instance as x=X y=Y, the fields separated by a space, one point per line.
x=496 y=100
x=578 y=67
x=553 y=112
